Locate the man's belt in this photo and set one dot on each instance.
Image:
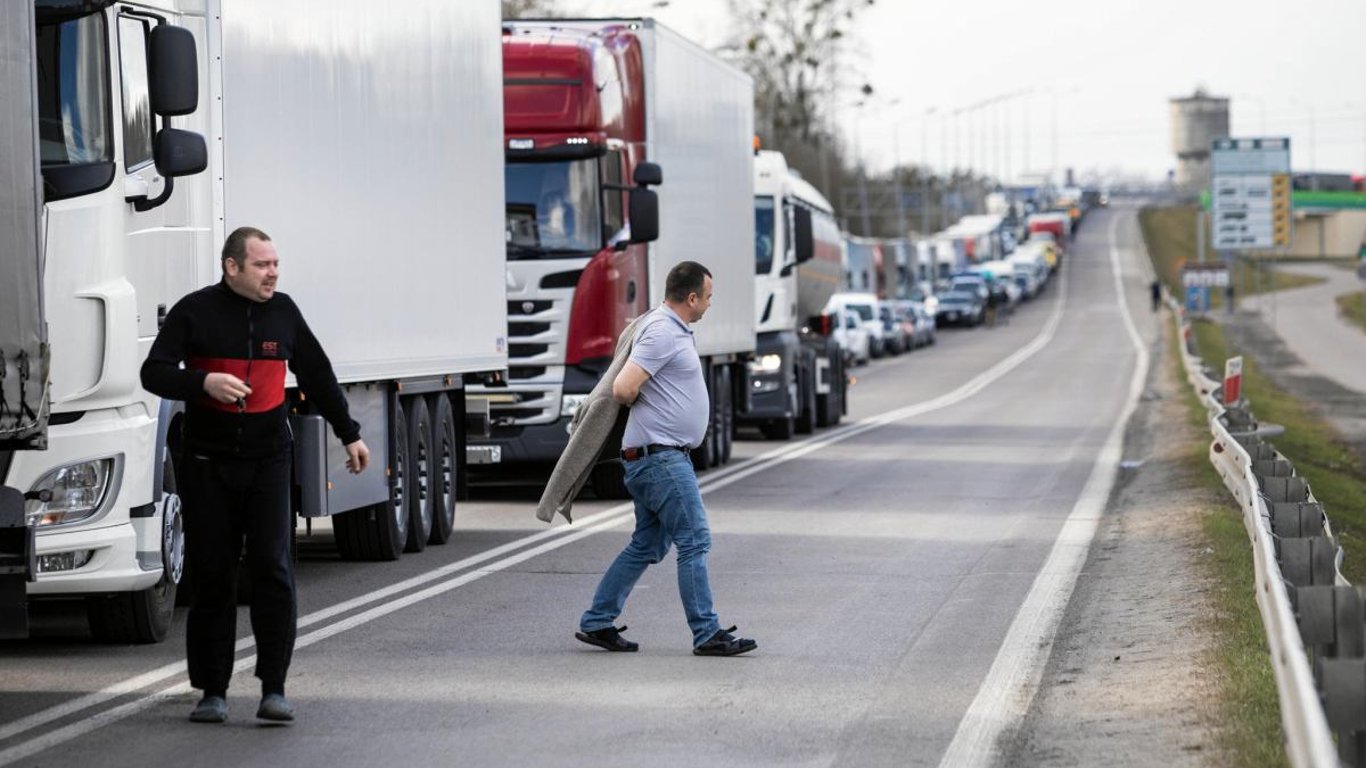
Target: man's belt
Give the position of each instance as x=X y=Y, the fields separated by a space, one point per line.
x=633 y=454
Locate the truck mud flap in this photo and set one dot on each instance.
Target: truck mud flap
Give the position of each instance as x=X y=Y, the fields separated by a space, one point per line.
x=17 y=564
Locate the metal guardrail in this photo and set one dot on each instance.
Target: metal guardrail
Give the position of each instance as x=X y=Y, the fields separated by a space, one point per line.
x=1313 y=617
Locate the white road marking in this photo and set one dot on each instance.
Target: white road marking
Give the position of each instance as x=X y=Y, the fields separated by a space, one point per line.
x=1009 y=687
x=560 y=536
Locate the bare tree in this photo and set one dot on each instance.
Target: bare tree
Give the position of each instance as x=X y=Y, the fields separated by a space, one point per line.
x=531 y=9
x=795 y=53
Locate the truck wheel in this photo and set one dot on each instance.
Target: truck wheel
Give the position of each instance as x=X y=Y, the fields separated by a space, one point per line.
x=704 y=456
x=727 y=441
x=418 y=474
x=609 y=481
x=445 y=470
x=379 y=531
x=806 y=417
x=145 y=616
x=830 y=406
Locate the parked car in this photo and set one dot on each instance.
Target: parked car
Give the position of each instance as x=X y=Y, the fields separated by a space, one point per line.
x=924 y=324
x=852 y=337
x=896 y=330
x=865 y=306
x=964 y=307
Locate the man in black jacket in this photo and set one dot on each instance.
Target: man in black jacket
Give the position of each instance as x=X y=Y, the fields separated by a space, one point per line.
x=235 y=341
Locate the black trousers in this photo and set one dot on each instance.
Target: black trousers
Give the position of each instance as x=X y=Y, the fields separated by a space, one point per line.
x=228 y=503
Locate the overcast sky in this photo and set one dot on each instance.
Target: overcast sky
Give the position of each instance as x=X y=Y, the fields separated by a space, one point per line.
x=1106 y=69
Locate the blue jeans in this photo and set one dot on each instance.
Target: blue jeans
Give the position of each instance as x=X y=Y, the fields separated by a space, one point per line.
x=668 y=511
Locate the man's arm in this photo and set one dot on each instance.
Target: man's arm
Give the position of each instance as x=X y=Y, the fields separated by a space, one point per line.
x=626 y=386
x=316 y=379
x=161 y=371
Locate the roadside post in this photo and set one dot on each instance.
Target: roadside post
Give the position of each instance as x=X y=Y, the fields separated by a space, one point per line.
x=1233 y=380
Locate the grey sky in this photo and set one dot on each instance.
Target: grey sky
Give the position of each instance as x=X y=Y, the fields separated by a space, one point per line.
x=1109 y=66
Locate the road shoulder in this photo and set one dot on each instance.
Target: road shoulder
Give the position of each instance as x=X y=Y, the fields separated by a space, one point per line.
x=1130 y=680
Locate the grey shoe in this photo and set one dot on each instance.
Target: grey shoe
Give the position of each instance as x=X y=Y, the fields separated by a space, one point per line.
x=276 y=707
x=210 y=709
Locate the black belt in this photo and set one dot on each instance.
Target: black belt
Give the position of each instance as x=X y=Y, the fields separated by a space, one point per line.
x=632 y=454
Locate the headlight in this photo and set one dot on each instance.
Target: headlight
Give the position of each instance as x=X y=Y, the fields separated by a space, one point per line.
x=770 y=363
x=71 y=493
x=569 y=404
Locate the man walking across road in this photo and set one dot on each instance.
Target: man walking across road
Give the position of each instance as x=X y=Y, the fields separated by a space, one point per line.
x=662 y=384
x=235 y=340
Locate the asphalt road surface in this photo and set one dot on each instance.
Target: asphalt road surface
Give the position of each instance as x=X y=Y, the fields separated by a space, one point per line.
x=882 y=567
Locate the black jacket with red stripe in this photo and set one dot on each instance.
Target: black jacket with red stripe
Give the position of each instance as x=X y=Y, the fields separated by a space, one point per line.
x=215 y=330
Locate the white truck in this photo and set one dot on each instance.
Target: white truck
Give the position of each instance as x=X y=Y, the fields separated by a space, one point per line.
x=798 y=381
x=590 y=105
x=366 y=153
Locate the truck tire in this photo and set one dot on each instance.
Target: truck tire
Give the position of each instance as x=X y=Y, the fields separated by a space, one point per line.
x=704 y=456
x=445 y=470
x=146 y=616
x=417 y=475
x=830 y=406
x=725 y=387
x=379 y=531
x=609 y=481
x=805 y=422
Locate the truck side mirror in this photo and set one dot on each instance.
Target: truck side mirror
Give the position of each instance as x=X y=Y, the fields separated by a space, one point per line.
x=176 y=153
x=648 y=175
x=803 y=236
x=644 y=205
x=179 y=153
x=172 y=71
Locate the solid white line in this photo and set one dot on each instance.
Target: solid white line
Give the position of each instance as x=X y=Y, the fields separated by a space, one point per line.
x=1009 y=687
x=562 y=536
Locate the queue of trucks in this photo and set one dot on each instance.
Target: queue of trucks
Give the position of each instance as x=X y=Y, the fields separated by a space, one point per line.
x=466 y=226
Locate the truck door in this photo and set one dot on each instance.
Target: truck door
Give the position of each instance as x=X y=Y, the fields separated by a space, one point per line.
x=160 y=238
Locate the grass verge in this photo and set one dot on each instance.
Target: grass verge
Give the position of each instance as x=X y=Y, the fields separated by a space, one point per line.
x=1353 y=307
x=1248 y=725
x=1170 y=235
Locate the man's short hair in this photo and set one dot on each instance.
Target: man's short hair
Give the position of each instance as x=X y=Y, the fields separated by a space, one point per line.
x=687 y=277
x=235 y=247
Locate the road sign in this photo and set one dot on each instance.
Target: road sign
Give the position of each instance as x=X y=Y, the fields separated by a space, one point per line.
x=1233 y=380
x=1250 y=193
x=1205 y=275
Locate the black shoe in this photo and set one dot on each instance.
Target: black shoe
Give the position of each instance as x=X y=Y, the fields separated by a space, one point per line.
x=723 y=643
x=608 y=638
x=276 y=708
x=210 y=709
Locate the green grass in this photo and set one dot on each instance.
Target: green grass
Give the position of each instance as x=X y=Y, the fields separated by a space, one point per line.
x=1353 y=307
x=1170 y=235
x=1247 y=723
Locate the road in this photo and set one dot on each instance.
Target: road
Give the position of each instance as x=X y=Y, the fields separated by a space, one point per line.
x=881 y=566
x=1307 y=319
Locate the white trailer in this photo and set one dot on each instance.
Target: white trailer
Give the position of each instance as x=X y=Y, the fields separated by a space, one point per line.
x=366 y=152
x=23 y=327
x=700 y=130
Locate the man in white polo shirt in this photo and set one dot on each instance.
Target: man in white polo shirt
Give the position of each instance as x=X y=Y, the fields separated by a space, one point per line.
x=662 y=384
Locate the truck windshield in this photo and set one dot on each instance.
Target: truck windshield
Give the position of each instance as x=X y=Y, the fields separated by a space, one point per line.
x=553 y=209
x=763 y=234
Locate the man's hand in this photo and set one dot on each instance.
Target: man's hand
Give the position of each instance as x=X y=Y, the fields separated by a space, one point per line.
x=357 y=457
x=226 y=388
